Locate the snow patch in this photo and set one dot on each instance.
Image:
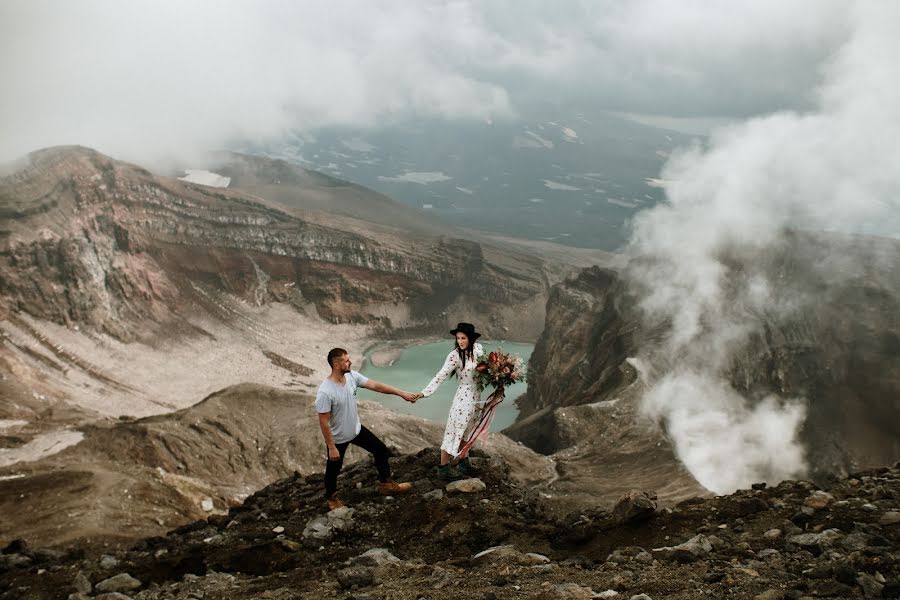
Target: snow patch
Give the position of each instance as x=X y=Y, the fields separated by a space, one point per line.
x=358 y=145
x=42 y=446
x=207 y=178
x=420 y=177
x=555 y=185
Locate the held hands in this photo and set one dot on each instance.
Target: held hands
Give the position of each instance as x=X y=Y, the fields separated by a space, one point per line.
x=410 y=397
x=333 y=453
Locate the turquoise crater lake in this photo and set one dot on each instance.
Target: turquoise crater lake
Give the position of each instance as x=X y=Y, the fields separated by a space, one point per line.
x=416 y=365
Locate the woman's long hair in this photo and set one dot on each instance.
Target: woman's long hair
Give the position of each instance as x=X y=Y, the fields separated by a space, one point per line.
x=468 y=353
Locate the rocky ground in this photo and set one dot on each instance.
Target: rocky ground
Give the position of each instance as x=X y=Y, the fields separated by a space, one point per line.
x=135 y=478
x=491 y=537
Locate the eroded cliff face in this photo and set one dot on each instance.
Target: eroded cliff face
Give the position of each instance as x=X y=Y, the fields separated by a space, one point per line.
x=830 y=337
x=580 y=357
x=90 y=241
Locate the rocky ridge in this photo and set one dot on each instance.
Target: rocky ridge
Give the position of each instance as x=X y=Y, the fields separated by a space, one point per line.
x=839 y=351
x=91 y=241
x=491 y=538
x=133 y=478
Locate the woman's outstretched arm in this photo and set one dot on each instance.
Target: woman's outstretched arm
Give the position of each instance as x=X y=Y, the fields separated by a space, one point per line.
x=444 y=373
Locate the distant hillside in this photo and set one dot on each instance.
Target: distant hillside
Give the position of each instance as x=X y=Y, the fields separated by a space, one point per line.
x=298 y=188
x=567 y=174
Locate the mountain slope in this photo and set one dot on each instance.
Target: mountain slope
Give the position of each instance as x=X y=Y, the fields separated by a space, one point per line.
x=830 y=337
x=138 y=477
x=498 y=541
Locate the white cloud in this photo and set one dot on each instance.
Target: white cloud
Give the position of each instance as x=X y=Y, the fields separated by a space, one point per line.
x=835 y=167
x=149 y=79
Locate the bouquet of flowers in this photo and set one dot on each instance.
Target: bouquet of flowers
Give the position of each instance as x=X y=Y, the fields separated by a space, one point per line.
x=500 y=370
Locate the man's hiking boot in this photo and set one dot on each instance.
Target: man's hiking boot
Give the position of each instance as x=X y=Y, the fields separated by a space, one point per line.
x=448 y=473
x=334 y=502
x=466 y=467
x=389 y=488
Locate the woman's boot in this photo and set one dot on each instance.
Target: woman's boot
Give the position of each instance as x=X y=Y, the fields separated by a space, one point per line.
x=447 y=473
x=466 y=467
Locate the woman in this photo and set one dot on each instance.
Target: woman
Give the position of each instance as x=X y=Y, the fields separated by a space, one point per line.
x=460 y=362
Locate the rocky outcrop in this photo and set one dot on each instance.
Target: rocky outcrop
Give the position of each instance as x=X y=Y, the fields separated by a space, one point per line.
x=830 y=337
x=137 y=477
x=107 y=245
x=581 y=355
x=499 y=542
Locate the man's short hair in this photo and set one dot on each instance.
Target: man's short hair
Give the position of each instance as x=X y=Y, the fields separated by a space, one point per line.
x=335 y=353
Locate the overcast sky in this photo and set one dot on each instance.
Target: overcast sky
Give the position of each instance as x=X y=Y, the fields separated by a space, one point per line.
x=145 y=80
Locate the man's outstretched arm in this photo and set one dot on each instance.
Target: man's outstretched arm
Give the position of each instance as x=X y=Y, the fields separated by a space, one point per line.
x=383 y=388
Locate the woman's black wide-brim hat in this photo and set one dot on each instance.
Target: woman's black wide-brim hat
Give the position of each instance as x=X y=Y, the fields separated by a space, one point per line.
x=468 y=329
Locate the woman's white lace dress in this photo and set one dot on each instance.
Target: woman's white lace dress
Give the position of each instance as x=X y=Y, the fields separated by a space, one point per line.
x=465 y=401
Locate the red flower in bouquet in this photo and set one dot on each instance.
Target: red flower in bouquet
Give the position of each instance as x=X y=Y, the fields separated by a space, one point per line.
x=500 y=370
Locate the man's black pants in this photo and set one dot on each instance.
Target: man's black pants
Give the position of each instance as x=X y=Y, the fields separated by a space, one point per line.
x=366 y=440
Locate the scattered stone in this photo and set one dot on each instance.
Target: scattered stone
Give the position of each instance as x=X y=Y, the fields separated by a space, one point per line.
x=870 y=586
x=278 y=529
x=112 y=596
x=509 y=555
x=466 y=486
x=751 y=506
x=855 y=542
x=11 y=561
x=374 y=558
x=108 y=562
x=123 y=582
x=577 y=561
x=818 y=500
x=608 y=594
x=323 y=528
x=627 y=554
x=82 y=584
x=358 y=576
x=641 y=597
x=769 y=554
x=635 y=505
x=423 y=486
x=439 y=578
x=830 y=587
x=815 y=542
x=317 y=529
x=207 y=505
x=889 y=518
x=770 y=595
x=695 y=548
x=434 y=495
x=566 y=591
x=772 y=535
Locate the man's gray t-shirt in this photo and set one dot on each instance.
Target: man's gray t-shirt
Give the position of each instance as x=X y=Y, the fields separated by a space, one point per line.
x=340 y=401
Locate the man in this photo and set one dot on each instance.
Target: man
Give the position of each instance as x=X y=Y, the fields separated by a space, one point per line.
x=340 y=424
